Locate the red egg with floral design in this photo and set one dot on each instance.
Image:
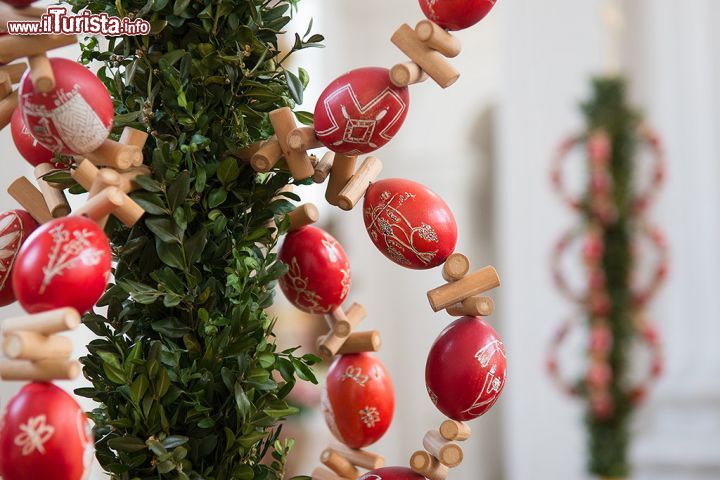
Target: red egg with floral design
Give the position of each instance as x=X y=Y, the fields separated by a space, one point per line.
x=30 y=149
x=45 y=435
x=358 y=399
x=318 y=277
x=72 y=119
x=360 y=111
x=409 y=224
x=392 y=473
x=456 y=14
x=15 y=227
x=64 y=263
x=465 y=370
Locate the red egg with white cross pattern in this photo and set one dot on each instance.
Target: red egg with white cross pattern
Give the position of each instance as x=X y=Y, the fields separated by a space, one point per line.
x=465 y=370
x=360 y=111
x=64 y=263
x=318 y=277
x=15 y=227
x=30 y=149
x=358 y=400
x=75 y=117
x=409 y=224
x=456 y=14
x=45 y=434
x=392 y=473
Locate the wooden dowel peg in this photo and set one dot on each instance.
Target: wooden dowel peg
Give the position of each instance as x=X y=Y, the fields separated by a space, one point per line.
x=14 y=70
x=265 y=158
x=283 y=121
x=359 y=458
x=339 y=464
x=246 y=153
x=355 y=189
x=431 y=61
x=105 y=178
x=16 y=46
x=127 y=178
x=31 y=199
x=102 y=204
x=5 y=85
x=41 y=73
x=7 y=107
x=116 y=155
x=341 y=172
x=475 y=306
x=329 y=345
x=406 y=74
x=305 y=214
x=422 y=463
x=453 y=430
x=44 y=323
x=41 y=371
x=360 y=342
x=301 y=139
x=34 y=346
x=134 y=137
x=456 y=267
x=342 y=322
x=435 y=37
x=322 y=474
x=472 y=284
x=85 y=173
x=35 y=12
x=323 y=167
x=54 y=196
x=448 y=453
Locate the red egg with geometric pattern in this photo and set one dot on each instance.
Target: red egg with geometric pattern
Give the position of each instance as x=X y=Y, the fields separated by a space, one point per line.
x=30 y=149
x=15 y=227
x=392 y=473
x=456 y=14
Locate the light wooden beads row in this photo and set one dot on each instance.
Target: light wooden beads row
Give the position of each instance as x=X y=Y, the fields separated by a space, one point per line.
x=344 y=463
x=442 y=452
x=461 y=295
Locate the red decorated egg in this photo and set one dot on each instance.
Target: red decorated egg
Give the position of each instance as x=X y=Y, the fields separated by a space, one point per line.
x=360 y=111
x=409 y=224
x=27 y=145
x=465 y=371
x=15 y=227
x=45 y=435
x=358 y=400
x=19 y=3
x=392 y=473
x=72 y=119
x=64 y=263
x=318 y=277
x=456 y=14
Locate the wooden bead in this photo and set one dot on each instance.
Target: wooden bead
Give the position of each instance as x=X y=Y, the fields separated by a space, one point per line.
x=134 y=137
x=5 y=85
x=85 y=174
x=355 y=189
x=339 y=464
x=359 y=342
x=359 y=458
x=31 y=199
x=340 y=174
x=437 y=38
x=102 y=204
x=105 y=178
x=406 y=74
x=422 y=463
x=45 y=323
x=329 y=345
x=41 y=73
x=454 y=430
x=323 y=167
x=116 y=155
x=7 y=107
x=283 y=121
x=475 y=306
x=472 y=284
x=41 y=371
x=15 y=46
x=303 y=138
x=306 y=214
x=265 y=158
x=14 y=70
x=34 y=346
x=321 y=474
x=448 y=453
x=130 y=212
x=35 y=12
x=54 y=197
x=456 y=267
x=127 y=178
x=431 y=61
x=343 y=323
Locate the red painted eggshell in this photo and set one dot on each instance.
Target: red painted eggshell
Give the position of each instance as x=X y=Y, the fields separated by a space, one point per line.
x=75 y=117
x=64 y=263
x=318 y=277
x=409 y=224
x=19 y=3
x=465 y=370
x=456 y=14
x=15 y=227
x=392 y=473
x=45 y=435
x=360 y=111
x=358 y=400
x=26 y=144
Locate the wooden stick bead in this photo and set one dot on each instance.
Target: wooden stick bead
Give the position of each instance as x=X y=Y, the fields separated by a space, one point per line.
x=40 y=371
x=116 y=155
x=41 y=73
x=13 y=47
x=84 y=173
x=5 y=85
x=34 y=346
x=359 y=458
x=406 y=74
x=305 y=214
x=102 y=204
x=54 y=196
x=134 y=137
x=339 y=464
x=127 y=178
x=422 y=463
x=106 y=177
x=323 y=167
x=14 y=70
x=448 y=453
x=475 y=306
x=342 y=322
x=7 y=107
x=301 y=139
x=341 y=172
x=329 y=345
x=431 y=61
x=45 y=323
x=265 y=158
x=454 y=430
x=435 y=37
x=355 y=189
x=31 y=199
x=472 y=284
x=283 y=121
x=322 y=474
x=30 y=11
x=455 y=267
x=360 y=342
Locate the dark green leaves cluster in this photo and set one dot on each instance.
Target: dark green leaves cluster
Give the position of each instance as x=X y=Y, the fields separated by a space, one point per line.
x=190 y=383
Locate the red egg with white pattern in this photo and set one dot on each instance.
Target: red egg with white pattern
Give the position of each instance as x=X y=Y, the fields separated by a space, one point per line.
x=45 y=435
x=30 y=149
x=456 y=14
x=19 y=3
x=409 y=224
x=465 y=370
x=15 y=227
x=360 y=111
x=358 y=400
x=318 y=277
x=75 y=117
x=64 y=263
x=392 y=473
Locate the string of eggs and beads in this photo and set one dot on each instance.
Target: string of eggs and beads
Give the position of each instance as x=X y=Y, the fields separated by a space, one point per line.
x=356 y=114
x=594 y=301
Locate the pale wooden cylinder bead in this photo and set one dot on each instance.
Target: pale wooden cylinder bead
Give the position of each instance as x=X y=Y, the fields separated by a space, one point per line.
x=5 y=85
x=406 y=74
x=102 y=204
x=359 y=458
x=340 y=174
x=34 y=346
x=283 y=121
x=31 y=199
x=431 y=61
x=475 y=306
x=454 y=430
x=301 y=139
x=14 y=70
x=41 y=73
x=106 y=177
x=435 y=37
x=7 y=107
x=40 y=371
x=422 y=463
x=54 y=199
x=35 y=12
x=339 y=464
x=16 y=46
x=342 y=322
x=114 y=154
x=329 y=345
x=305 y=214
x=45 y=323
x=472 y=284
x=323 y=167
x=85 y=174
x=129 y=212
x=127 y=178
x=42 y=170
x=448 y=453
x=246 y=153
x=265 y=158
x=321 y=474
x=355 y=314
x=355 y=189
x=134 y=137
x=456 y=267
x=360 y=342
